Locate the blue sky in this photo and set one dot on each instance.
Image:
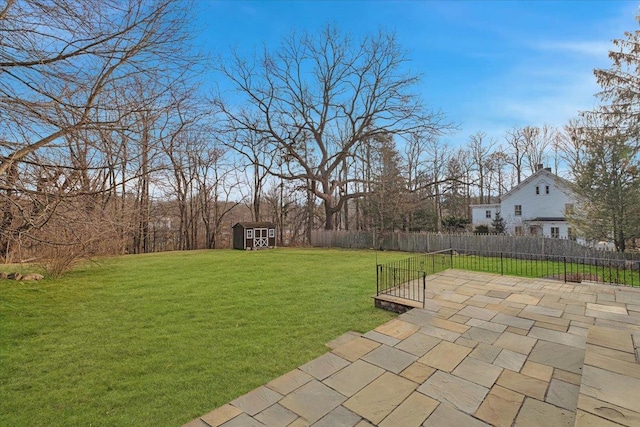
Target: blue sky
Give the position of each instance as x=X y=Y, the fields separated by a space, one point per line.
x=488 y=65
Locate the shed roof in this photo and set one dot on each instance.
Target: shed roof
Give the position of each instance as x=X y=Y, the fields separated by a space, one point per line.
x=255 y=225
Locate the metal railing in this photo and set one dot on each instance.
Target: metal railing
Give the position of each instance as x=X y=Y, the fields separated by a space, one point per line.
x=407 y=278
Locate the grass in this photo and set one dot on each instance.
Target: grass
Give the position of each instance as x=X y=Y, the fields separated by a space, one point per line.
x=160 y=339
x=547 y=269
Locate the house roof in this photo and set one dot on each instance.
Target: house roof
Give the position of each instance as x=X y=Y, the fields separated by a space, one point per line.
x=254 y=225
x=547 y=219
x=486 y=205
x=540 y=173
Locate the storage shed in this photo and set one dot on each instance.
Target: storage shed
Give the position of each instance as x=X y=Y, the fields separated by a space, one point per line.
x=254 y=235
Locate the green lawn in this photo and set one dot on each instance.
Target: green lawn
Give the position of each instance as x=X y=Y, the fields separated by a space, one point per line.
x=545 y=269
x=159 y=339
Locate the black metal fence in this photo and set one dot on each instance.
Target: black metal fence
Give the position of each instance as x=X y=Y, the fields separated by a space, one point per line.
x=407 y=278
x=565 y=268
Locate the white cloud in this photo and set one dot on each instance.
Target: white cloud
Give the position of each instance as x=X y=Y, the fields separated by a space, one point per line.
x=597 y=49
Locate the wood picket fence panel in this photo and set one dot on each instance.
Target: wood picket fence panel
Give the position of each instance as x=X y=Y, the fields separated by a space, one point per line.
x=432 y=242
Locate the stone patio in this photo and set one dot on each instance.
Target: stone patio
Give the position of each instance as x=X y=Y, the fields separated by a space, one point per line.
x=484 y=350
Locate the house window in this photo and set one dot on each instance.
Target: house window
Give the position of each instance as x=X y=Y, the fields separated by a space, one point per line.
x=537 y=190
x=272 y=233
x=487 y=214
x=250 y=233
x=555 y=232
x=518 y=210
x=518 y=230
x=546 y=189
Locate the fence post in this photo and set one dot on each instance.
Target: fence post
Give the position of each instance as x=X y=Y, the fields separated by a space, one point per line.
x=378 y=268
x=450 y=257
x=565 y=269
x=501 y=267
x=424 y=288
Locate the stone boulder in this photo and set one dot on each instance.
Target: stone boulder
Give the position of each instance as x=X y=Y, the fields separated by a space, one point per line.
x=14 y=276
x=32 y=276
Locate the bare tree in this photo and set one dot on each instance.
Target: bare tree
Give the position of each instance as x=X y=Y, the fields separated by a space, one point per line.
x=257 y=158
x=68 y=98
x=494 y=166
x=320 y=97
x=517 y=146
x=64 y=58
x=480 y=149
x=537 y=142
x=217 y=180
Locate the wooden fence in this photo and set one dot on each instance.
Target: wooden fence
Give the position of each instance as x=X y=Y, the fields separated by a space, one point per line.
x=431 y=242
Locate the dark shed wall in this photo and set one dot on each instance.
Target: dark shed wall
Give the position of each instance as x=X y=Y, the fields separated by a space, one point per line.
x=238 y=236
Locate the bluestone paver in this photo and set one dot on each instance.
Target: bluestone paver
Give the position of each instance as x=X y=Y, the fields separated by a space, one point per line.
x=417 y=372
x=354 y=377
x=412 y=412
x=243 y=420
x=418 y=344
x=558 y=337
x=477 y=371
x=523 y=384
x=535 y=413
x=445 y=356
x=312 y=401
x=515 y=342
x=276 y=416
x=397 y=328
x=537 y=370
x=563 y=394
x=390 y=358
x=381 y=397
x=511 y=360
x=356 y=348
x=481 y=335
x=339 y=417
x=446 y=415
x=464 y=395
x=290 y=381
x=256 y=400
x=485 y=352
x=500 y=407
x=558 y=355
x=324 y=366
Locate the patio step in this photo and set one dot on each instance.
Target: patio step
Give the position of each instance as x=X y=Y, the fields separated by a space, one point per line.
x=610 y=383
x=395 y=304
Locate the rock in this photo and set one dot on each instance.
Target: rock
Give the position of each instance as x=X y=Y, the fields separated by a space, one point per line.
x=3 y=275
x=32 y=276
x=14 y=276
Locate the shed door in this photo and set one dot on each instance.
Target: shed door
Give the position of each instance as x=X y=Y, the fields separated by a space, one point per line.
x=261 y=240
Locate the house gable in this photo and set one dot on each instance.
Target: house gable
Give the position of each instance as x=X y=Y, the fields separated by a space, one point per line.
x=536 y=206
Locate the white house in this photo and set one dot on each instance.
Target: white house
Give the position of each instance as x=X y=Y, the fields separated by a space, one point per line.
x=536 y=207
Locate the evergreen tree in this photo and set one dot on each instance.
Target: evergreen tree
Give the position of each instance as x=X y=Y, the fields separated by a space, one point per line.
x=498 y=223
x=606 y=151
